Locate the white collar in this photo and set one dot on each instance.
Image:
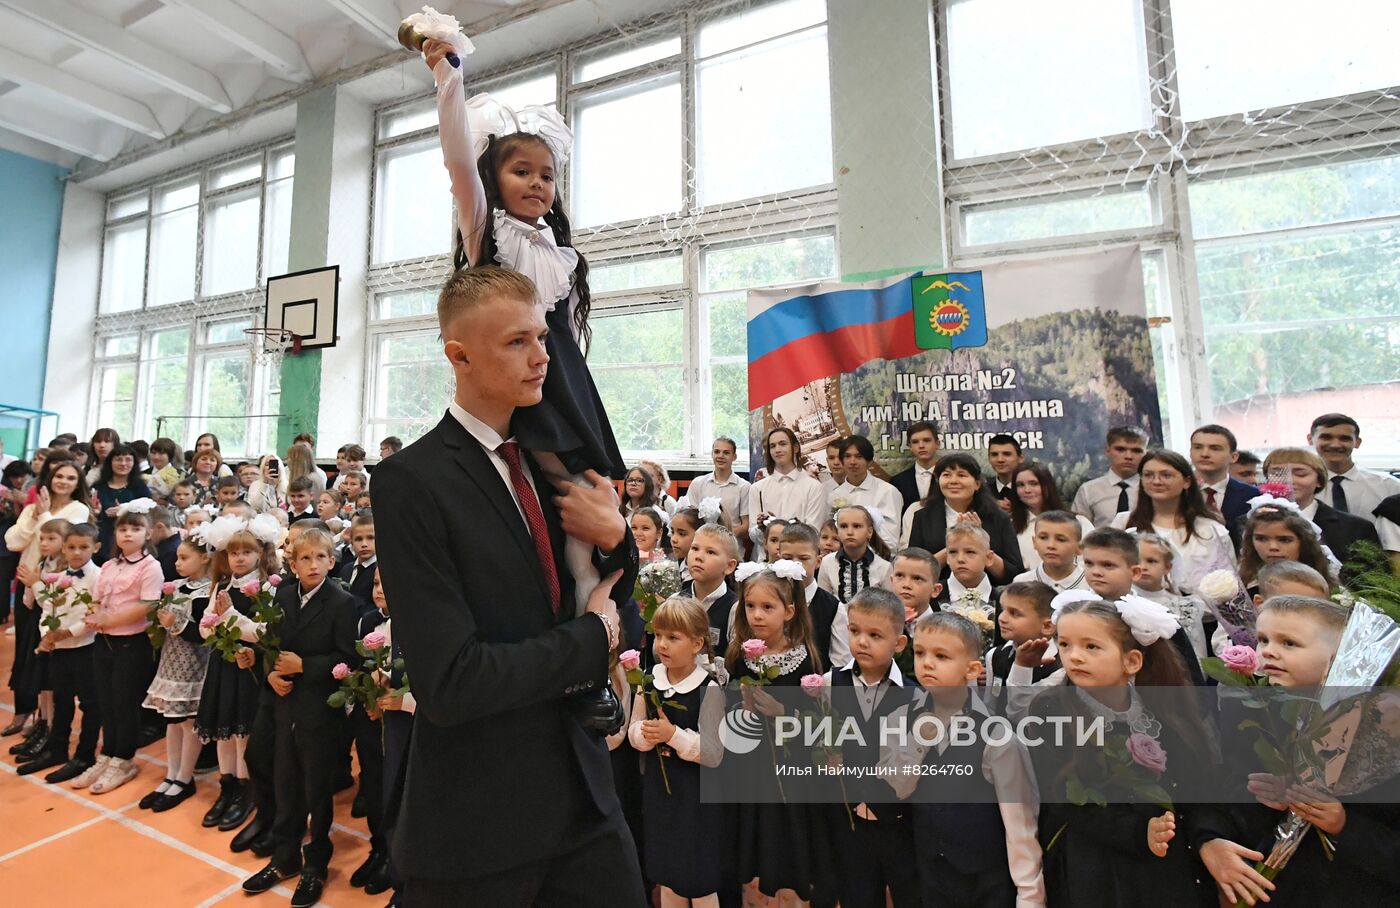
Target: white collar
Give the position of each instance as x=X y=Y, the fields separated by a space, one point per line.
x=790 y=475
x=193 y=586
x=485 y=436
x=662 y=680
x=866 y=484
x=950 y=516
x=895 y=676
x=1069 y=583
x=1220 y=486
x=244 y=578
x=715 y=596
x=1310 y=512
x=532 y=251
x=1113 y=479
x=306 y=597
x=956 y=589
x=809 y=591
x=733 y=478
x=366 y=564
x=922 y=471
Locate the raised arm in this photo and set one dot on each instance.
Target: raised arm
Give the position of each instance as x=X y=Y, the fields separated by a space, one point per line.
x=455 y=135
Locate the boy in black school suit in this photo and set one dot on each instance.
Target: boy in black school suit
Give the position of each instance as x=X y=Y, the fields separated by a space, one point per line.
x=227 y=490
x=914 y=579
x=800 y=542
x=369 y=734
x=358 y=573
x=874 y=842
x=969 y=551
x=975 y=835
x=166 y=535
x=299 y=506
x=1023 y=616
x=714 y=554
x=317 y=632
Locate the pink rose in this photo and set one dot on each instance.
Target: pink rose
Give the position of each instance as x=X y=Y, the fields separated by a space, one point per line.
x=1145 y=751
x=629 y=660
x=1241 y=659
x=251 y=588
x=50 y=578
x=813 y=685
x=754 y=647
x=63 y=582
x=274 y=580
x=209 y=620
x=340 y=672
x=167 y=589
x=374 y=640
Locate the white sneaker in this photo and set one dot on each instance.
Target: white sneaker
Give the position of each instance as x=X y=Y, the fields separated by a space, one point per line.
x=92 y=773
x=118 y=773
x=10 y=631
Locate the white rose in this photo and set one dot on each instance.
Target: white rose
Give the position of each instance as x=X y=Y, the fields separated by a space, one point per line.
x=1218 y=586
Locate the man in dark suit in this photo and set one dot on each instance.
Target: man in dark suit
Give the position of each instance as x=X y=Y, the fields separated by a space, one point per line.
x=913 y=483
x=509 y=798
x=1213 y=449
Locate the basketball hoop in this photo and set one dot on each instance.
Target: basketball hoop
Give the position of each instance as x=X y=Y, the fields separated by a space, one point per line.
x=269 y=345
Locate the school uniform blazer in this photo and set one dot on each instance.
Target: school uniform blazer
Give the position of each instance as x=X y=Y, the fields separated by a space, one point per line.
x=1235 y=504
x=322 y=633
x=362 y=588
x=930 y=529
x=1341 y=531
x=499 y=768
x=907 y=485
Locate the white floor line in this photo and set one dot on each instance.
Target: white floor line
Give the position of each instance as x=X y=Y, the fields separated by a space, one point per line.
x=53 y=838
x=220 y=896
x=336 y=827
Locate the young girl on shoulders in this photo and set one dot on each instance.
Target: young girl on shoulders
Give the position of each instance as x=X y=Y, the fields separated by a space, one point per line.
x=244 y=554
x=685 y=858
x=121 y=656
x=780 y=845
x=1119 y=659
x=179 y=681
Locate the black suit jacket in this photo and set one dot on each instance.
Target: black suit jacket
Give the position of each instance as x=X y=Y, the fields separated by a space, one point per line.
x=498 y=768
x=322 y=633
x=363 y=587
x=908 y=487
x=1341 y=531
x=929 y=531
x=1236 y=503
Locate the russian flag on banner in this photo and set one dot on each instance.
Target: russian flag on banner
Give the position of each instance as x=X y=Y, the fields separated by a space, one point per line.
x=799 y=335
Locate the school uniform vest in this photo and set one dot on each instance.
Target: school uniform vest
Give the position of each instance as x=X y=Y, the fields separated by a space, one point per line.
x=956 y=817
x=1004 y=656
x=845 y=702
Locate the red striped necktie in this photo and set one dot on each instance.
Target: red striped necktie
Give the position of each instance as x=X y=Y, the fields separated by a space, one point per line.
x=534 y=519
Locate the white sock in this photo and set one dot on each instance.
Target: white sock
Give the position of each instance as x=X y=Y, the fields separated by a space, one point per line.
x=241 y=766
x=172 y=755
x=189 y=752
x=228 y=756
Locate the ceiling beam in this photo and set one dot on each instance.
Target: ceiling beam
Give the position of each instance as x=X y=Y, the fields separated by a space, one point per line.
x=378 y=17
x=158 y=65
x=251 y=34
x=88 y=143
x=92 y=98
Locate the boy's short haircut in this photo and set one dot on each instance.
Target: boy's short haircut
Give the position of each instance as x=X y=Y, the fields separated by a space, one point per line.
x=1272 y=576
x=141 y=449
x=1328 y=612
x=162 y=515
x=85 y=530
x=877 y=601
x=316 y=536
x=798 y=533
x=301 y=484
x=239 y=506
x=1036 y=593
x=923 y=425
x=302 y=526
x=727 y=540
x=55 y=526
x=969 y=531
x=364 y=517
x=305 y=438
x=469 y=286
x=1062 y=517
x=1214 y=429
x=361 y=475
x=958 y=626
x=1248 y=457
x=1120 y=541
x=923 y=556
x=1004 y=438
x=1125 y=433
x=185 y=484
x=733 y=445
x=862 y=445
x=830 y=524
x=1328 y=420
x=228 y=482
x=393 y=443
x=1168 y=553
x=352 y=451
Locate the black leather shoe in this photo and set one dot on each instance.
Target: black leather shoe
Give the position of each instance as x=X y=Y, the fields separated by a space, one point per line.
x=150 y=799
x=68 y=771
x=358 y=807
x=365 y=870
x=379 y=879
x=35 y=740
x=264 y=845
x=250 y=834
x=44 y=759
x=309 y=887
x=268 y=877
x=178 y=794
x=598 y=711
x=239 y=807
x=216 y=812
x=16 y=726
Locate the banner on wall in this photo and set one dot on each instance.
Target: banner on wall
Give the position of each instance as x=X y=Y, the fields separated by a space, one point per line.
x=1053 y=351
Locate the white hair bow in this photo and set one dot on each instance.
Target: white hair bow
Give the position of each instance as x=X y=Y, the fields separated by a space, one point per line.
x=220 y=530
x=136 y=506
x=877 y=516
x=746 y=570
x=788 y=569
x=267 y=529
x=710 y=510
x=1148 y=621
x=487 y=117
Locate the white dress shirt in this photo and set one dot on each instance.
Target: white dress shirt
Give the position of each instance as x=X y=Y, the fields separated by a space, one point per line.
x=1365 y=489
x=923 y=479
x=490 y=440
x=875 y=492
x=956 y=591
x=793 y=496
x=1097 y=498
x=1074 y=581
x=733 y=494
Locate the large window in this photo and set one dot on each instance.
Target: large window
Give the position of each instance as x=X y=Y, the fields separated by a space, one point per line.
x=681 y=131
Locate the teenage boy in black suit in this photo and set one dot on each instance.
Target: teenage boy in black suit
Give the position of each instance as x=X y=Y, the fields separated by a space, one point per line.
x=1213 y=449
x=913 y=483
x=358 y=573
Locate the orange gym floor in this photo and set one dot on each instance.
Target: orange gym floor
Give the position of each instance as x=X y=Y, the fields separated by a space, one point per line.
x=60 y=847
